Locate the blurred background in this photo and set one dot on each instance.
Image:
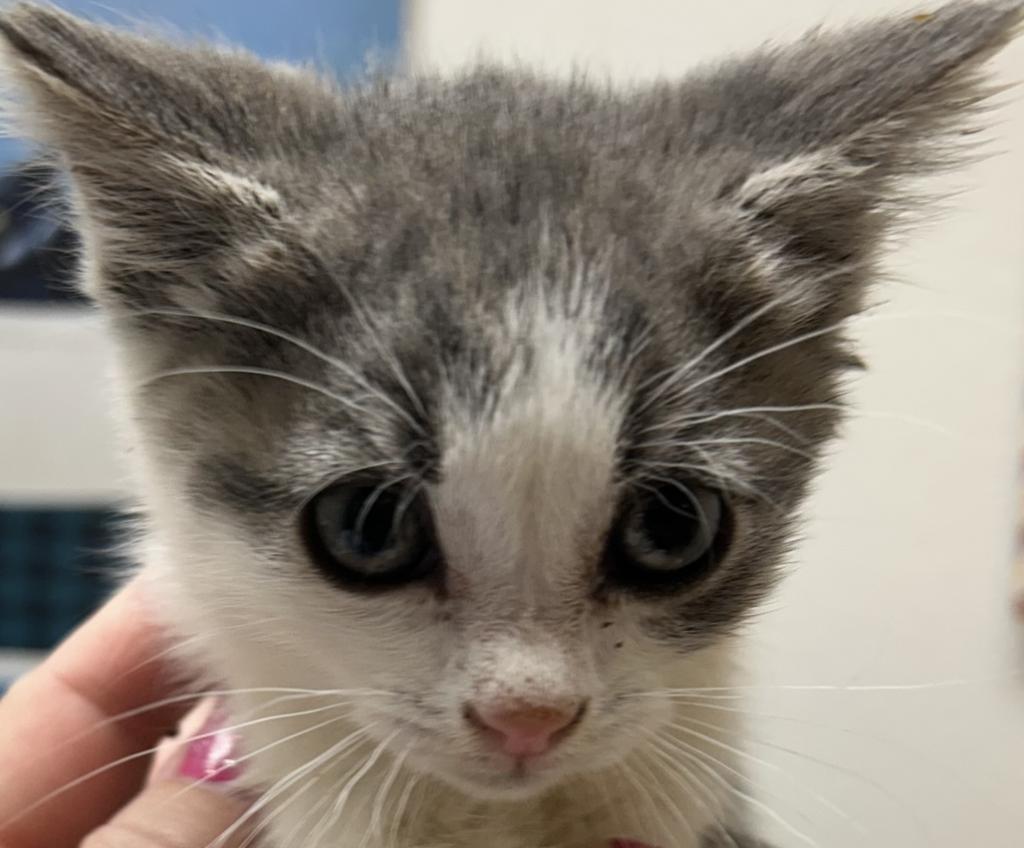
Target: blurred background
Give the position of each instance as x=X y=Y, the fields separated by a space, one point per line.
x=887 y=699
x=60 y=478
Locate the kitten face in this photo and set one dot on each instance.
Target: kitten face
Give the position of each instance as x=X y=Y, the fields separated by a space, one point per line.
x=512 y=327
x=524 y=398
x=535 y=443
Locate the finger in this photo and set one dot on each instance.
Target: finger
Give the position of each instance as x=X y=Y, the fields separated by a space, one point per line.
x=173 y=814
x=186 y=804
x=52 y=728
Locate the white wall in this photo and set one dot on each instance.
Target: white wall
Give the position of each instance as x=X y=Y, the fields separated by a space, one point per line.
x=56 y=438
x=904 y=576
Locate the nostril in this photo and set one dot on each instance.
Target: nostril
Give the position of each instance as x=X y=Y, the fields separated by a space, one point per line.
x=525 y=728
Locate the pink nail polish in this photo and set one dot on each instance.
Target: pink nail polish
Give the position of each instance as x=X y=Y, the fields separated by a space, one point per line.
x=212 y=757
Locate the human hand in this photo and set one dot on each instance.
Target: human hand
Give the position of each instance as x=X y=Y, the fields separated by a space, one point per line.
x=60 y=731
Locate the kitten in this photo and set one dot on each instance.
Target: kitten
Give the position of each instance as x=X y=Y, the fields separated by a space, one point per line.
x=456 y=402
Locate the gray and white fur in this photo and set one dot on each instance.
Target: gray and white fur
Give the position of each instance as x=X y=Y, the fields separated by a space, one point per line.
x=527 y=304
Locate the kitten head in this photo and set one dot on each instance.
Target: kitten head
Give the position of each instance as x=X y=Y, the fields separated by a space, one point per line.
x=490 y=399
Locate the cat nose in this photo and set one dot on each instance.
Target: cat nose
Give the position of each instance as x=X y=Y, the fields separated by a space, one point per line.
x=524 y=728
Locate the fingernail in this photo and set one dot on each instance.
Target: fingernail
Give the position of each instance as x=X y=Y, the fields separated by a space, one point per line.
x=211 y=756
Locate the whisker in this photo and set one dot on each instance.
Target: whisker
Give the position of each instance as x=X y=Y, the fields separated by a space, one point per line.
x=678 y=373
x=351 y=781
x=901 y=804
x=645 y=793
x=707 y=416
x=289 y=780
x=181 y=644
x=728 y=483
x=803 y=337
x=300 y=343
x=741 y=325
x=736 y=440
x=254 y=371
x=420 y=781
x=687 y=751
x=678 y=772
x=678 y=425
x=883 y=790
x=685 y=491
x=400 y=809
x=735 y=691
x=652 y=771
x=273 y=702
x=609 y=801
x=382 y=795
x=167 y=651
x=375 y=495
x=761 y=354
x=137 y=755
x=250 y=755
x=405 y=503
x=844 y=731
x=264 y=823
x=388 y=355
x=215 y=693
x=820 y=799
x=717 y=707
x=313 y=818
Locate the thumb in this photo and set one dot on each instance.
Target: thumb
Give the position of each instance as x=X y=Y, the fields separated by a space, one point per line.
x=187 y=803
x=170 y=814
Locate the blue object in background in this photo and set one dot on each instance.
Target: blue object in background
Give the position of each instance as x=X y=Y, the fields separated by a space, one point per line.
x=337 y=34
x=56 y=566
x=37 y=246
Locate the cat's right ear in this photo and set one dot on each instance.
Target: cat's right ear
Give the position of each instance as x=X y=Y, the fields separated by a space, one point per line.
x=813 y=145
x=163 y=145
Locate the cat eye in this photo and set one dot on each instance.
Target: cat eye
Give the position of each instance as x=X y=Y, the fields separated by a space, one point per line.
x=368 y=535
x=669 y=535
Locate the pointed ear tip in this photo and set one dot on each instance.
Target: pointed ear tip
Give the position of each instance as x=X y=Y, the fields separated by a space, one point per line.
x=1013 y=8
x=980 y=26
x=1013 y=18
x=21 y=26
x=1006 y=17
x=22 y=17
x=30 y=29
x=27 y=12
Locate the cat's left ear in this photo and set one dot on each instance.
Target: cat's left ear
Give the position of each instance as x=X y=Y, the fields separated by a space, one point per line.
x=816 y=142
x=164 y=144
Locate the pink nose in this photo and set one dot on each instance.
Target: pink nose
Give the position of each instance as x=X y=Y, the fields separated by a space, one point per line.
x=525 y=729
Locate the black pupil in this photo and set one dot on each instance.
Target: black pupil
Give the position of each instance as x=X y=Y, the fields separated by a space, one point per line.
x=670 y=521
x=368 y=523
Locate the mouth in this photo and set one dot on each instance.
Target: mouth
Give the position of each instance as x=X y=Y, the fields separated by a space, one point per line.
x=501 y=777
x=485 y=772
x=520 y=771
